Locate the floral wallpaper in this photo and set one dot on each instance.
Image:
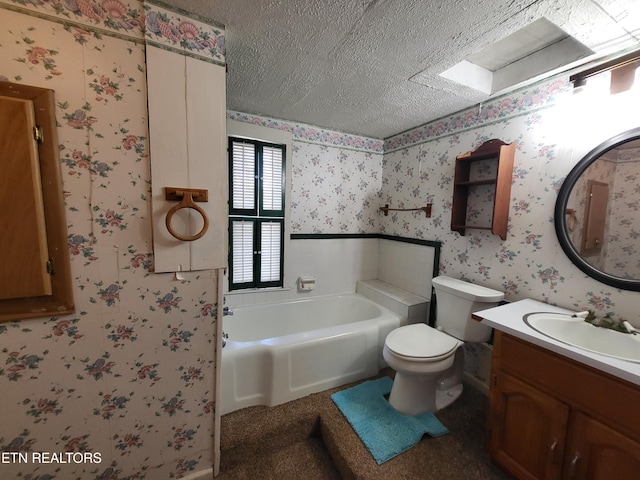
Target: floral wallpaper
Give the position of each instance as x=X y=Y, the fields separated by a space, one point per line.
x=335 y=190
x=114 y=16
x=419 y=165
x=310 y=134
x=336 y=178
x=203 y=39
x=134 y=19
x=122 y=388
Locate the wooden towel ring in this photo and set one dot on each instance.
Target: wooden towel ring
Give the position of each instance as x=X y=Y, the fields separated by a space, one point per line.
x=187 y=195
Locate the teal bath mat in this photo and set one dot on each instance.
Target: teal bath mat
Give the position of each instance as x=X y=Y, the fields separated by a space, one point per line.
x=384 y=431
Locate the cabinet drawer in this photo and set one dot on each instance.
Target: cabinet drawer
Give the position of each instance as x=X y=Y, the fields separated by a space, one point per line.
x=599 y=394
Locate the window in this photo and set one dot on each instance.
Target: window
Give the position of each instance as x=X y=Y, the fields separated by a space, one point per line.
x=256 y=214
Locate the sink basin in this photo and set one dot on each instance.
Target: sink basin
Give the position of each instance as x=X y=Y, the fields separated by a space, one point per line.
x=578 y=333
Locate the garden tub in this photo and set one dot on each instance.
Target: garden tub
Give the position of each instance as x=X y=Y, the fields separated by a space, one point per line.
x=278 y=352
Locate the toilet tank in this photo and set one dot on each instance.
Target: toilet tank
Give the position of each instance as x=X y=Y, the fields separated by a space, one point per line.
x=456 y=300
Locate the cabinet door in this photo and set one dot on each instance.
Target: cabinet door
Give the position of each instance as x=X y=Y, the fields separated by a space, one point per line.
x=187 y=135
x=23 y=237
x=528 y=430
x=598 y=452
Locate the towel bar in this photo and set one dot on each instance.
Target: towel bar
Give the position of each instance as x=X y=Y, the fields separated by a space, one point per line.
x=426 y=209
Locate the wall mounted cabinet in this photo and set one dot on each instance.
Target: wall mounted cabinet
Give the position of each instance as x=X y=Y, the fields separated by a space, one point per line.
x=490 y=167
x=35 y=277
x=554 y=418
x=187 y=136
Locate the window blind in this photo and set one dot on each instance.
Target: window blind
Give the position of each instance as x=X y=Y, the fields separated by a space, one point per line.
x=242 y=249
x=270 y=247
x=272 y=179
x=243 y=171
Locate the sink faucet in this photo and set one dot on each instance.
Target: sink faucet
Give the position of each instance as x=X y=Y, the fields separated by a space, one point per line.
x=607 y=322
x=591 y=316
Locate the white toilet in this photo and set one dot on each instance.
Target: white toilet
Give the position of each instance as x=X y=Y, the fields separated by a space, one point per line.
x=428 y=361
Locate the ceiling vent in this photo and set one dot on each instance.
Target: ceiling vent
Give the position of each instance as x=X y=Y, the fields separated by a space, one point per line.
x=532 y=51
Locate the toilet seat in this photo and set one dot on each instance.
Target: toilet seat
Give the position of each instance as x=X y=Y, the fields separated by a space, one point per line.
x=419 y=342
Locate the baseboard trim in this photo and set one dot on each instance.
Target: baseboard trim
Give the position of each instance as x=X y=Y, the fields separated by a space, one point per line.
x=206 y=474
x=476 y=383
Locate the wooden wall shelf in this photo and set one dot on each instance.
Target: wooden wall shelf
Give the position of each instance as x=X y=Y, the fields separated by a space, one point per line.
x=492 y=150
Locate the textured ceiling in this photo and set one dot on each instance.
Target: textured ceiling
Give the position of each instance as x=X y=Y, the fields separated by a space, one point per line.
x=371 y=67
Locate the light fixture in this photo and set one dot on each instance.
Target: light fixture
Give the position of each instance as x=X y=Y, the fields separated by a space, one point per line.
x=622 y=73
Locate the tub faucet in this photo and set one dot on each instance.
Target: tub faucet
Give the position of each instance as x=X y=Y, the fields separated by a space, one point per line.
x=224 y=339
x=227 y=311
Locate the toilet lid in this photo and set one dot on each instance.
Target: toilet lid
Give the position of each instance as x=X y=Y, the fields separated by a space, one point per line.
x=420 y=341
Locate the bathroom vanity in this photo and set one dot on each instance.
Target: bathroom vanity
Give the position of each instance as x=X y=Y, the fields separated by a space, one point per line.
x=557 y=412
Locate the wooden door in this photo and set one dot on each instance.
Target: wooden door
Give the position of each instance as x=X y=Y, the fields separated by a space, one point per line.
x=528 y=430
x=595 y=215
x=598 y=452
x=23 y=237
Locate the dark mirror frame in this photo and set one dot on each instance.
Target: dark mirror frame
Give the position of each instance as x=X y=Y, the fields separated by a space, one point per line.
x=560 y=218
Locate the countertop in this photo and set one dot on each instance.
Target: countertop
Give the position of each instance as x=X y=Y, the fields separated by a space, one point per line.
x=508 y=319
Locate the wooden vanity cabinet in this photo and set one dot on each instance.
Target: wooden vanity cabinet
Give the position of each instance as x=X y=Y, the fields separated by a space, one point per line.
x=554 y=418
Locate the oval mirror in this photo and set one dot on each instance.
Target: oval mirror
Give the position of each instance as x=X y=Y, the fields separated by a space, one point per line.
x=597 y=214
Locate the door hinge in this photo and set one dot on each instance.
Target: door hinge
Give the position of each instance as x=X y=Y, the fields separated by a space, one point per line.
x=38 y=134
x=494 y=380
x=51 y=267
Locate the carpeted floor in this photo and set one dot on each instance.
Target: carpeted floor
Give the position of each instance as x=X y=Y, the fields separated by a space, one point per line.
x=309 y=438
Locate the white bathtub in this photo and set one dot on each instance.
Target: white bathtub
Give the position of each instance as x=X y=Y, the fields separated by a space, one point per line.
x=279 y=352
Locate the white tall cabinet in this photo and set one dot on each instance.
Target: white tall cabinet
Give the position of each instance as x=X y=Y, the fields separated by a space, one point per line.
x=187 y=135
